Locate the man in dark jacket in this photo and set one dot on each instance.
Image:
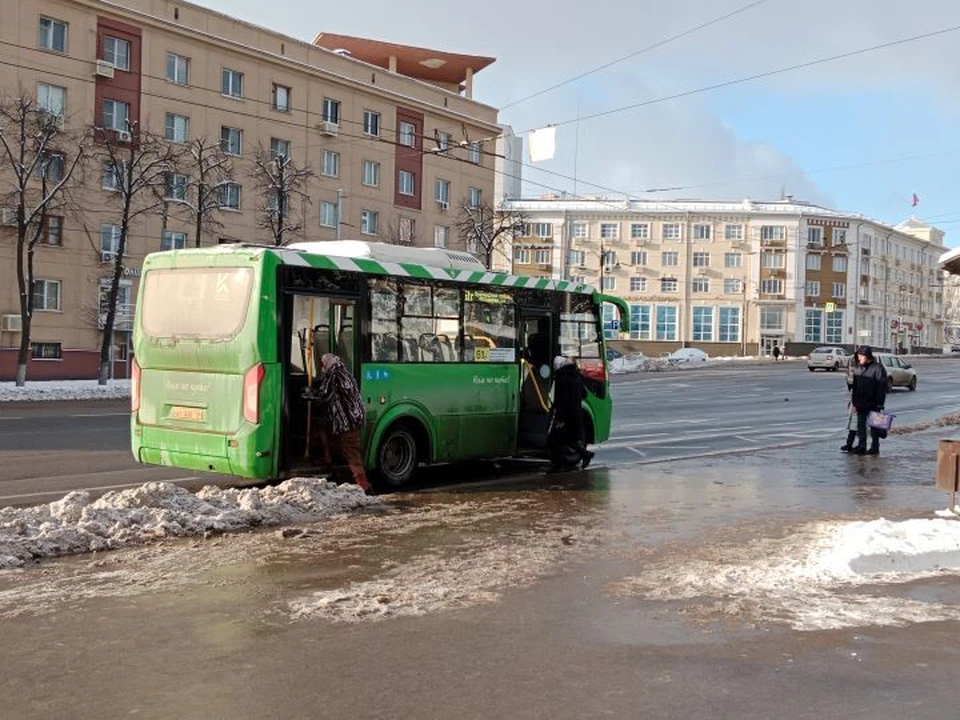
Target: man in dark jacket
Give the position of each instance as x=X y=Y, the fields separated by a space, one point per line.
x=567 y=445
x=868 y=394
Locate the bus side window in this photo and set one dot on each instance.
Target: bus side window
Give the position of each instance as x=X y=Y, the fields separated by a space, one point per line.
x=321 y=345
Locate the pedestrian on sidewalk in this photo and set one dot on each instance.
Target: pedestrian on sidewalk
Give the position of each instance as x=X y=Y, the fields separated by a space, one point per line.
x=566 y=440
x=341 y=415
x=776 y=353
x=868 y=395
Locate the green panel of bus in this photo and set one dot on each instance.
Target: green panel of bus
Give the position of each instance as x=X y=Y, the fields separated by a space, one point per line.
x=454 y=362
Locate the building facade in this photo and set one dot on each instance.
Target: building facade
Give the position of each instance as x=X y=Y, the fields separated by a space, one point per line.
x=392 y=135
x=739 y=278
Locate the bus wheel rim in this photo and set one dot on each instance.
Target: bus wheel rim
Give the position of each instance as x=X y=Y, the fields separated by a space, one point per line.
x=398 y=455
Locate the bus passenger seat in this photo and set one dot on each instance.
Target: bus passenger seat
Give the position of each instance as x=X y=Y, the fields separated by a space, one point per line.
x=411 y=351
x=345 y=345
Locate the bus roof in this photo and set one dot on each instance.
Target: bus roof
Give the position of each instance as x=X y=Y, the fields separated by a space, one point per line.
x=351 y=256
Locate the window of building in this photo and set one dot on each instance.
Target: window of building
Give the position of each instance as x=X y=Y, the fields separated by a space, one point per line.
x=609 y=283
x=639 y=322
x=109 y=241
x=175 y=187
x=369 y=222
x=52 y=99
x=668 y=284
x=839 y=236
x=115 y=115
x=52 y=230
x=117 y=52
x=733 y=259
x=172 y=240
x=638 y=284
x=521 y=256
x=540 y=230
x=701 y=259
x=703 y=324
x=280 y=97
x=46 y=350
x=638 y=257
x=773 y=259
x=406 y=182
x=834 y=327
x=476 y=152
x=408 y=134
x=701 y=285
x=670 y=258
x=46 y=294
x=178 y=69
x=53 y=35
x=231 y=83
x=609 y=260
x=639 y=231
x=330 y=163
x=733 y=233
x=813 y=326
x=732 y=285
x=771 y=318
x=839 y=290
x=112 y=177
x=328 y=214
x=579 y=230
x=771 y=286
x=813 y=288
x=474 y=197
x=579 y=279
x=230 y=196
x=279 y=148
x=231 y=140
x=331 y=111
x=541 y=257
x=666 y=322
x=728 y=329
x=51 y=166
x=441 y=191
x=441 y=235
x=371 y=123
x=176 y=128
x=839 y=264
x=609 y=231
x=371 y=173
x=443 y=142
x=576 y=258
x=815 y=236
x=670 y=231
x=772 y=232
x=813 y=262
x=702 y=232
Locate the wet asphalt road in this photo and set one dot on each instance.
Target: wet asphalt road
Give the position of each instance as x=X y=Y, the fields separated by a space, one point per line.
x=209 y=634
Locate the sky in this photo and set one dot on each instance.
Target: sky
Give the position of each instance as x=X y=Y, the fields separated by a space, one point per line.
x=860 y=134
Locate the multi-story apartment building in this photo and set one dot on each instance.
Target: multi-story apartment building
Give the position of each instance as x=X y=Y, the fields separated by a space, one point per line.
x=738 y=278
x=392 y=133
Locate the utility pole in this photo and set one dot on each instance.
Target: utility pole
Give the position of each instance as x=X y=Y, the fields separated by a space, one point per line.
x=339 y=211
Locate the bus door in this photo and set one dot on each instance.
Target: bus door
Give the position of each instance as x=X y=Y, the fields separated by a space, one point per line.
x=538 y=343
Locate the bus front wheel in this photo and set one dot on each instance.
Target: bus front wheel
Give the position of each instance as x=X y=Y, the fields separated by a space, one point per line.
x=397 y=456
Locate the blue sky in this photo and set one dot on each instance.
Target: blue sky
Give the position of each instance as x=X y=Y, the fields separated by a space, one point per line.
x=748 y=140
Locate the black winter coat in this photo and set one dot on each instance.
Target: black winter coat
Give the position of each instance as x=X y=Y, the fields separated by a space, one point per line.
x=869 y=386
x=568 y=392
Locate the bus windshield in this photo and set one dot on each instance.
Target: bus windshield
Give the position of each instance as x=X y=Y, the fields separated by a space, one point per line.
x=201 y=303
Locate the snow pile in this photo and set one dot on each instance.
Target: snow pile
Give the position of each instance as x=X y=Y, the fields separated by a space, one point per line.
x=64 y=390
x=155 y=510
x=817 y=578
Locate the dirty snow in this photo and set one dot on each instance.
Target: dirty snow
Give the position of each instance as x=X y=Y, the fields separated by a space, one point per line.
x=78 y=524
x=824 y=576
x=53 y=390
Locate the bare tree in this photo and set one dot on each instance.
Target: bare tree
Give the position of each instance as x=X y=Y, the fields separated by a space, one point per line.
x=485 y=230
x=279 y=182
x=403 y=233
x=140 y=171
x=208 y=171
x=40 y=159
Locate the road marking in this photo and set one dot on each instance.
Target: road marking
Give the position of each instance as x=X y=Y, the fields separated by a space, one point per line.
x=11 y=418
x=641 y=453
x=96 y=487
x=746 y=439
x=88 y=415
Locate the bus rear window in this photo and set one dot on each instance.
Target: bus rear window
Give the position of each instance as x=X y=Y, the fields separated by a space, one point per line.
x=202 y=303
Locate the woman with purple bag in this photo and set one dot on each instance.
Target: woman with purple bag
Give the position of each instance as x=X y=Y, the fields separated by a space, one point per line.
x=868 y=394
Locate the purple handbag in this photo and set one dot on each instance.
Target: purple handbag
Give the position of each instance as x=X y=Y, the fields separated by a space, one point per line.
x=880 y=420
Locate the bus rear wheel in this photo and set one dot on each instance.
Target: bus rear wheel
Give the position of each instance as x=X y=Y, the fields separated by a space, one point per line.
x=397 y=456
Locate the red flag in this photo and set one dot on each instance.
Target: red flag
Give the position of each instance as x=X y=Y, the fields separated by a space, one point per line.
x=916 y=201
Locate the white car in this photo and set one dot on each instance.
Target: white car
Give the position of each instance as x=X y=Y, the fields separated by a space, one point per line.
x=827 y=357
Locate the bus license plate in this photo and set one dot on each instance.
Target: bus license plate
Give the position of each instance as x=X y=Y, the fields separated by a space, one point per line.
x=186 y=413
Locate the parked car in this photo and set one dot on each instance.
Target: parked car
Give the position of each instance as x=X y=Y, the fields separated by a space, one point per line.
x=900 y=373
x=687 y=355
x=827 y=357
x=613 y=354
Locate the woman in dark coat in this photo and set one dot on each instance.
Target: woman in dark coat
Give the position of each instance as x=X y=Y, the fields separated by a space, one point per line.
x=868 y=394
x=568 y=447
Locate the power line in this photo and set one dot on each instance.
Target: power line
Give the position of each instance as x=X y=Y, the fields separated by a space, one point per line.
x=758 y=76
x=648 y=48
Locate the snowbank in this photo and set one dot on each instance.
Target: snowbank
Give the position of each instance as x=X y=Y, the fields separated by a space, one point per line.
x=51 y=390
x=75 y=524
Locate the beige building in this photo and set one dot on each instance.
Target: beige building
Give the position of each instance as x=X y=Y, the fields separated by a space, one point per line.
x=739 y=278
x=394 y=139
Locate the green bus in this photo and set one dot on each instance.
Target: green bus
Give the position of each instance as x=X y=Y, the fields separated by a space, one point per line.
x=454 y=362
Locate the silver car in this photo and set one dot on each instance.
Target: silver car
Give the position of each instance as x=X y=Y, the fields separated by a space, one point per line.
x=827 y=357
x=900 y=373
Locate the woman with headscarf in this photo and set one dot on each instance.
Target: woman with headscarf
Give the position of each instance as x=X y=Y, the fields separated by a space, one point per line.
x=566 y=441
x=342 y=414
